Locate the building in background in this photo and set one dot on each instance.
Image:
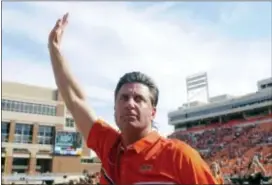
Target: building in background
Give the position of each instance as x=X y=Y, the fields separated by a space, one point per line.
x=223 y=108
x=31 y=118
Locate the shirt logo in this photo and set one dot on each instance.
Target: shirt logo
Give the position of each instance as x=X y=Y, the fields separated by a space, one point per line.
x=146 y=168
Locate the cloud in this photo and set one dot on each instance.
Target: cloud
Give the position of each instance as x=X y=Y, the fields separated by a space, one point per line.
x=105 y=40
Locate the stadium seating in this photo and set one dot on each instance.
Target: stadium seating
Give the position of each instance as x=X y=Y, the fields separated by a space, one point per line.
x=232 y=144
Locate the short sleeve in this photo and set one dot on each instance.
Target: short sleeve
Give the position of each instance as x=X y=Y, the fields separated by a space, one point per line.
x=192 y=168
x=101 y=138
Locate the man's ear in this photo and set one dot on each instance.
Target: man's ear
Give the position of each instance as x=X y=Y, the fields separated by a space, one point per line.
x=153 y=113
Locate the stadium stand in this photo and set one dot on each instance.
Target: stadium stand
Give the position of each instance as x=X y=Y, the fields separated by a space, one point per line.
x=233 y=144
x=230 y=131
x=228 y=143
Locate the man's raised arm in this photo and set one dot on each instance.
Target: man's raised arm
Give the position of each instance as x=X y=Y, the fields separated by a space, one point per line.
x=73 y=95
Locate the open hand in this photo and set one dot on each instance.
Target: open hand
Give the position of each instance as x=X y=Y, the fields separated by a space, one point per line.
x=56 y=33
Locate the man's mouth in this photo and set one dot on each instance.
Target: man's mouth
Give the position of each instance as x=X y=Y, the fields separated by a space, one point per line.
x=131 y=115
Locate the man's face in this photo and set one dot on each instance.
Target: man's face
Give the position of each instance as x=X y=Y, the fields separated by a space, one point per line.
x=133 y=107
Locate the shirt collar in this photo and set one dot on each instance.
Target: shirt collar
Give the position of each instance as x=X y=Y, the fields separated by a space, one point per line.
x=144 y=143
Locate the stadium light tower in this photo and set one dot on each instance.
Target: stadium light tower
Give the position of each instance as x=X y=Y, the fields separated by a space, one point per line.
x=199 y=83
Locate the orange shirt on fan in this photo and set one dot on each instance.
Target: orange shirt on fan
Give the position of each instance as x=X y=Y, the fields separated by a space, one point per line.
x=152 y=159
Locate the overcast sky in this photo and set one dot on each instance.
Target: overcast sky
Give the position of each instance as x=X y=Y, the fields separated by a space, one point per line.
x=231 y=41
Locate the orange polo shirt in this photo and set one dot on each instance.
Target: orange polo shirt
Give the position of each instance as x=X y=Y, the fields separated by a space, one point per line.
x=153 y=159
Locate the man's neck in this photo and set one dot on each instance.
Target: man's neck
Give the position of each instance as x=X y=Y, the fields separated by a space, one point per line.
x=131 y=137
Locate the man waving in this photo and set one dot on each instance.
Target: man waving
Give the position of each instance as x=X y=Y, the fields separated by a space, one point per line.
x=136 y=154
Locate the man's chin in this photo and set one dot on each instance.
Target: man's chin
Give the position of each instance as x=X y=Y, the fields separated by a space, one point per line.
x=133 y=124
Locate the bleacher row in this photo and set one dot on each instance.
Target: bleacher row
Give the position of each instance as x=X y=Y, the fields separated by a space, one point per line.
x=232 y=144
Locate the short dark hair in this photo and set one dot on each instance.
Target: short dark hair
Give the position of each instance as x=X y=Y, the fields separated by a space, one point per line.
x=138 y=77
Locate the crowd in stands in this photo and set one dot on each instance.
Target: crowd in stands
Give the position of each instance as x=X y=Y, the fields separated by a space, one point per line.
x=233 y=144
x=89 y=178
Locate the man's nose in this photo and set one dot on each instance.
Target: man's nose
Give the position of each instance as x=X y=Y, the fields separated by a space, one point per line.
x=130 y=103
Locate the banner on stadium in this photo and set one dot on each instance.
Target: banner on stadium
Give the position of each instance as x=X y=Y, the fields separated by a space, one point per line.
x=68 y=143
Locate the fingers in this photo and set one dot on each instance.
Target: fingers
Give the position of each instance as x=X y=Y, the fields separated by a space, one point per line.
x=64 y=20
x=56 y=33
x=54 y=30
x=65 y=17
x=61 y=23
x=58 y=23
